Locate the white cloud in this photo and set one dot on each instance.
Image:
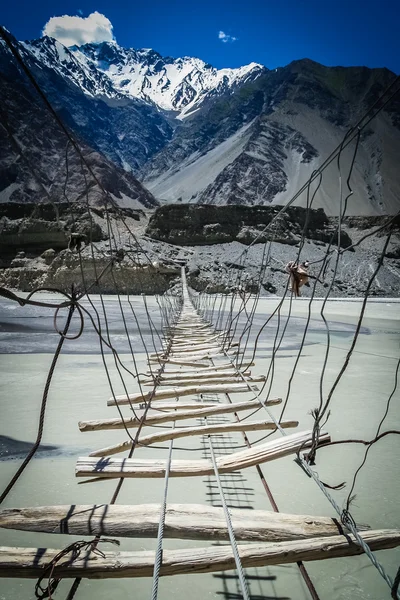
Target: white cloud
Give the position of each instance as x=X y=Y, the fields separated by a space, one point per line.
x=72 y=31
x=224 y=37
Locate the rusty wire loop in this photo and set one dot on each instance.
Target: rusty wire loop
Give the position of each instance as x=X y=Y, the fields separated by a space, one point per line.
x=71 y=553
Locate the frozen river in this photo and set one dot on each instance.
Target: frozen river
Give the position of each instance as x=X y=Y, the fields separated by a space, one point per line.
x=80 y=389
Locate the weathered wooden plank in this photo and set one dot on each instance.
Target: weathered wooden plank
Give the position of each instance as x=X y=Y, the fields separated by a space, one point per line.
x=202 y=374
x=31 y=562
x=189 y=323
x=220 y=380
x=179 y=392
x=176 y=416
x=184 y=363
x=202 y=355
x=192 y=354
x=190 y=431
x=204 y=369
x=184 y=339
x=188 y=375
x=185 y=521
x=194 y=347
x=149 y=468
x=179 y=405
x=215 y=352
x=194 y=340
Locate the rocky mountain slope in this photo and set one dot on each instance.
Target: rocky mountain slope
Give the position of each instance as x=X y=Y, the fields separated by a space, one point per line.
x=180 y=85
x=192 y=133
x=261 y=144
x=126 y=130
x=36 y=161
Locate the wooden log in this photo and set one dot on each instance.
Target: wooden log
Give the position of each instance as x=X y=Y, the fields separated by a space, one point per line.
x=188 y=375
x=217 y=409
x=180 y=391
x=221 y=380
x=186 y=340
x=204 y=369
x=183 y=339
x=194 y=347
x=214 y=352
x=185 y=325
x=173 y=434
x=206 y=373
x=191 y=353
x=149 y=468
x=184 y=363
x=31 y=562
x=180 y=405
x=184 y=521
x=202 y=355
x=191 y=328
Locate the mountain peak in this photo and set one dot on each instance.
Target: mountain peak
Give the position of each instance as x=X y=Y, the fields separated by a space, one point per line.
x=173 y=84
x=107 y=70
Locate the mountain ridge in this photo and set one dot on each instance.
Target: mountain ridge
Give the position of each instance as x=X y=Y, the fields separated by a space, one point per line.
x=252 y=137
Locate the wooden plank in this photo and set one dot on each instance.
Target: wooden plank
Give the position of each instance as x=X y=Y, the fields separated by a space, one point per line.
x=187 y=340
x=180 y=391
x=201 y=374
x=184 y=363
x=205 y=337
x=31 y=562
x=201 y=355
x=193 y=353
x=190 y=431
x=176 y=416
x=214 y=352
x=220 y=380
x=184 y=521
x=194 y=347
x=180 y=405
x=204 y=369
x=152 y=468
x=188 y=375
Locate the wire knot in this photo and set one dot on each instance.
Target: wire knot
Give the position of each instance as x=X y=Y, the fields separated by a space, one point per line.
x=74 y=550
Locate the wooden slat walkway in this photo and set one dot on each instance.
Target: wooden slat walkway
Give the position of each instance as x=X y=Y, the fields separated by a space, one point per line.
x=204 y=371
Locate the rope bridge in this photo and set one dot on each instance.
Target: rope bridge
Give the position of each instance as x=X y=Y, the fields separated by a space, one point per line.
x=198 y=363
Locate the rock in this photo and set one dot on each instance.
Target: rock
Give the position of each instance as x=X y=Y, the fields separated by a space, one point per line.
x=18 y=262
x=194 y=225
x=269 y=287
x=34 y=233
x=394 y=252
x=48 y=255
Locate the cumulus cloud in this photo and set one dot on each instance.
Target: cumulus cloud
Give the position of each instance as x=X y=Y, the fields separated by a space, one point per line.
x=225 y=38
x=72 y=31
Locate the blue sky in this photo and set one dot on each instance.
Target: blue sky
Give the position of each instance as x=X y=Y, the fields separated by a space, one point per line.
x=272 y=33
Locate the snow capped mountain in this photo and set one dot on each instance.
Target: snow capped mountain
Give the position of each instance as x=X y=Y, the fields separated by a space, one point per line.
x=106 y=70
x=180 y=84
x=194 y=133
x=261 y=144
x=48 y=52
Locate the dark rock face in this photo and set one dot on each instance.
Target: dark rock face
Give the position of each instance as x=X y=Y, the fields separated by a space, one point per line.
x=37 y=163
x=127 y=131
x=38 y=227
x=36 y=250
x=257 y=175
x=36 y=233
x=194 y=225
x=289 y=119
x=263 y=133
